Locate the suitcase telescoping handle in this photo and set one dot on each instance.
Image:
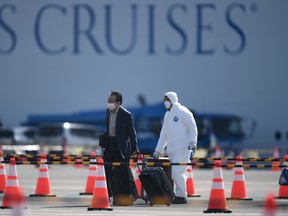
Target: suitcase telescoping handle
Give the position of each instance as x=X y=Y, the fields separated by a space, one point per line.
x=144 y=162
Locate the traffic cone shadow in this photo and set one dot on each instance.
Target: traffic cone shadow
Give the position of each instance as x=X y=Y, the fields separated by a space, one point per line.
x=100 y=199
x=90 y=181
x=190 y=186
x=217 y=200
x=13 y=195
x=3 y=177
x=43 y=183
x=238 y=191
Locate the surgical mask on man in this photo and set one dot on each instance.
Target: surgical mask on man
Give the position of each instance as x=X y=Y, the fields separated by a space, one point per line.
x=167 y=104
x=111 y=106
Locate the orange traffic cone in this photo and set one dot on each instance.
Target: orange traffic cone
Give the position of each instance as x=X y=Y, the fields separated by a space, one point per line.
x=66 y=158
x=90 y=182
x=275 y=164
x=217 y=200
x=78 y=162
x=238 y=191
x=100 y=199
x=2 y=174
x=218 y=154
x=283 y=190
x=43 y=182
x=13 y=195
x=190 y=186
x=270 y=207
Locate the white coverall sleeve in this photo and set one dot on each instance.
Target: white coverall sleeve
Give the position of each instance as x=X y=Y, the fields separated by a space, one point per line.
x=191 y=126
x=162 y=142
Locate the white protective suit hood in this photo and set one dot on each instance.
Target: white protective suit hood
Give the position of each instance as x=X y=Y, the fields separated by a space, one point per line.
x=172 y=97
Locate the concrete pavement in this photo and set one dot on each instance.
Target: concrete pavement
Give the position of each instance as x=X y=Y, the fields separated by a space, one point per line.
x=67 y=181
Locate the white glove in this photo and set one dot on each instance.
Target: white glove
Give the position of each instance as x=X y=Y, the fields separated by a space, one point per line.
x=192 y=145
x=156 y=154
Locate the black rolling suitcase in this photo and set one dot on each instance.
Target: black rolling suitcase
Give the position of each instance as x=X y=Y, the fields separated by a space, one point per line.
x=116 y=185
x=156 y=185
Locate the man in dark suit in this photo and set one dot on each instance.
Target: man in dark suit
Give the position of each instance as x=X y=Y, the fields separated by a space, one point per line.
x=121 y=141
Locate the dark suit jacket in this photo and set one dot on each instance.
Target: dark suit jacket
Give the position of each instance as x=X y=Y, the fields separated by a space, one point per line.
x=125 y=132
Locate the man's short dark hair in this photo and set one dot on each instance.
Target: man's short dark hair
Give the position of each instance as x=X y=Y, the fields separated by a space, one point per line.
x=118 y=96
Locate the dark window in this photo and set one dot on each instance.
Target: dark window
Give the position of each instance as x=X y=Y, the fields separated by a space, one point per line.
x=156 y=125
x=85 y=133
x=227 y=127
x=30 y=133
x=6 y=134
x=50 y=131
x=153 y=125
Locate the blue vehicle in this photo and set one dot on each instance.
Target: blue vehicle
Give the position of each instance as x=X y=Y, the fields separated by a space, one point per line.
x=226 y=131
x=214 y=129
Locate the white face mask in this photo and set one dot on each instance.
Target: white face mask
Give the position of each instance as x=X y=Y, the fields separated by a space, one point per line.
x=111 y=106
x=167 y=104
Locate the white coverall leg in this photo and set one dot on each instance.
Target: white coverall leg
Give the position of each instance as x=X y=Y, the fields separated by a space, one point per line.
x=179 y=172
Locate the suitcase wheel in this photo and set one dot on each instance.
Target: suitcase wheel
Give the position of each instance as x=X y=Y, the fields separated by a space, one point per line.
x=151 y=203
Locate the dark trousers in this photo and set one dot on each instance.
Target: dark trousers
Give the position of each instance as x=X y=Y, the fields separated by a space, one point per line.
x=113 y=154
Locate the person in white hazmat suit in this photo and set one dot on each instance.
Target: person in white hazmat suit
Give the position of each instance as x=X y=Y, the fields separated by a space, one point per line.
x=179 y=135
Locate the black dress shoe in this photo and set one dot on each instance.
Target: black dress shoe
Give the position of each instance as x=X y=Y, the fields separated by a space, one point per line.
x=179 y=200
